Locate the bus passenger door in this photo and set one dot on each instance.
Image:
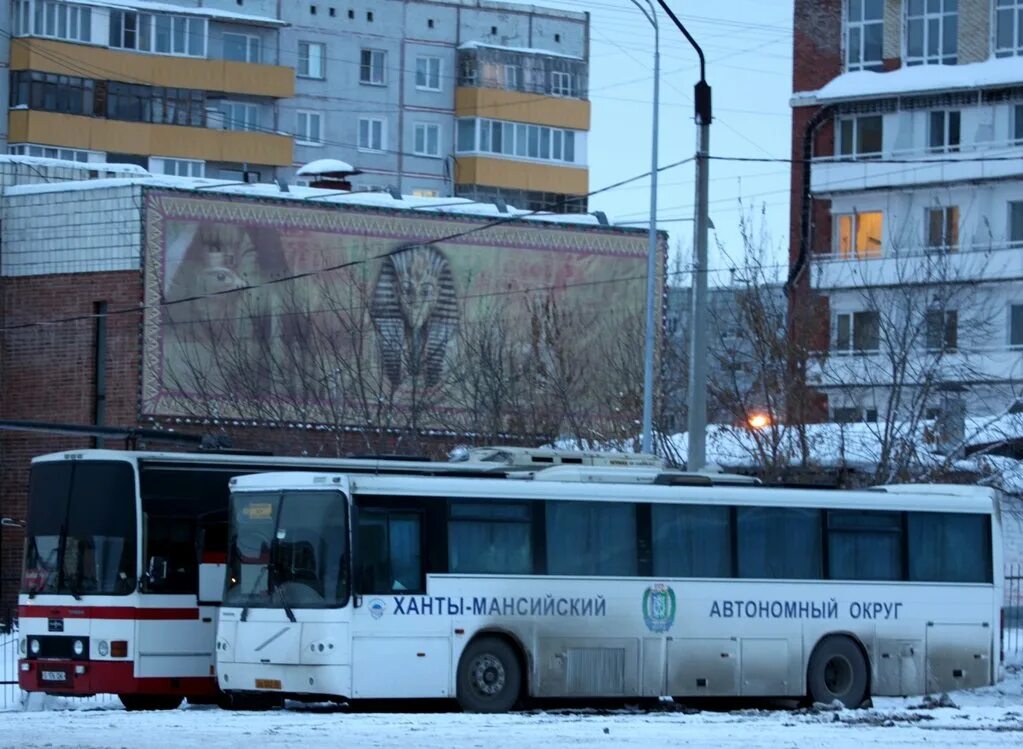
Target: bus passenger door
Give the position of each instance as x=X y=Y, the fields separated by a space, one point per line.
x=400 y=646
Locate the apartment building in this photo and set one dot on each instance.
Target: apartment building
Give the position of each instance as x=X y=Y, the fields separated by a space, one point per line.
x=907 y=203
x=474 y=98
x=189 y=91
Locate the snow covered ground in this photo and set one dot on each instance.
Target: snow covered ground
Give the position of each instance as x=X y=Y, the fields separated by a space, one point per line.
x=985 y=717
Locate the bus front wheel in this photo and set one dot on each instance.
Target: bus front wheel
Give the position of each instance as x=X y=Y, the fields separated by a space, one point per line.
x=838 y=671
x=489 y=676
x=150 y=701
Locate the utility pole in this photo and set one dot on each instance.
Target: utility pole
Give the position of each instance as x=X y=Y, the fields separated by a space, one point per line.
x=698 y=319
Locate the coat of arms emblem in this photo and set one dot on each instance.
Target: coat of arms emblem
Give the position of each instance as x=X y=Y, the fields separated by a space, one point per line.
x=659 y=607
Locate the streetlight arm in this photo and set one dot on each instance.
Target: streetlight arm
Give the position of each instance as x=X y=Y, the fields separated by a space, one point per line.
x=674 y=18
x=701 y=92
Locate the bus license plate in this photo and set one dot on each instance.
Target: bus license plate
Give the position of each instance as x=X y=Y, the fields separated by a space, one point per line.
x=53 y=676
x=268 y=684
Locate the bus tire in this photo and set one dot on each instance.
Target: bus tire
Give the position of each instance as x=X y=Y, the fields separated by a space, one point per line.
x=838 y=670
x=135 y=702
x=489 y=676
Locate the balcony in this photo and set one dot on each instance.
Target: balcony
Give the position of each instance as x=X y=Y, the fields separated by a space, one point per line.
x=252 y=79
x=175 y=141
x=920 y=265
x=521 y=175
x=988 y=161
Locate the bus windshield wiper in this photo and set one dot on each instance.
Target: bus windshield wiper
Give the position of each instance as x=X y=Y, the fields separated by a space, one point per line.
x=279 y=591
x=255 y=587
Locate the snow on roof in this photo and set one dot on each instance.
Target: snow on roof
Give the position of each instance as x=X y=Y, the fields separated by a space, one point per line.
x=309 y=195
x=996 y=72
x=181 y=10
x=525 y=50
x=327 y=166
x=129 y=169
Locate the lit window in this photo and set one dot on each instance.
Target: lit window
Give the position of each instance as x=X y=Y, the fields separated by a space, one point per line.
x=864 y=34
x=308 y=130
x=371 y=67
x=427 y=73
x=310 y=60
x=427 y=139
x=860 y=235
x=932 y=32
x=422 y=192
x=861 y=136
x=371 y=134
x=1008 y=28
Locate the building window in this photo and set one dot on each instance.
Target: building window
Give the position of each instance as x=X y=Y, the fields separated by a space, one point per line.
x=943 y=229
x=853 y=415
x=1017 y=123
x=1008 y=28
x=239 y=116
x=860 y=136
x=427 y=139
x=177 y=167
x=162 y=34
x=513 y=77
x=423 y=192
x=561 y=84
x=21 y=18
x=427 y=73
x=242 y=47
x=311 y=56
x=52 y=152
x=50 y=92
x=1016 y=325
x=517 y=140
x=1016 y=223
x=857 y=332
x=942 y=330
x=860 y=235
x=932 y=32
x=308 y=131
x=943 y=132
x=371 y=67
x=371 y=134
x=56 y=20
x=864 y=34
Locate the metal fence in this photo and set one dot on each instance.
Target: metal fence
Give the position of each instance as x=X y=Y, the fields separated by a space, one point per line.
x=1012 y=630
x=10 y=694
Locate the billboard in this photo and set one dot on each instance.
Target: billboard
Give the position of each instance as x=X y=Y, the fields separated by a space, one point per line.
x=285 y=311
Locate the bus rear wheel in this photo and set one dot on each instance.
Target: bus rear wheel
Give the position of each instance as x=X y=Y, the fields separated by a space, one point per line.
x=489 y=676
x=838 y=671
x=150 y=701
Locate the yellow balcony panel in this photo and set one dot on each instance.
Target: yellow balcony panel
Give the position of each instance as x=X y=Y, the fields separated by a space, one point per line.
x=522 y=175
x=87 y=61
x=517 y=106
x=95 y=134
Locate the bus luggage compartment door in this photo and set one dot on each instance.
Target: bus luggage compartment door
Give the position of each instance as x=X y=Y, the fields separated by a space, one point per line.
x=900 y=667
x=958 y=656
x=703 y=666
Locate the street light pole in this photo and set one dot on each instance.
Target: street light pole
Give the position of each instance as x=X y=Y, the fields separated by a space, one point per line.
x=651 y=251
x=697 y=425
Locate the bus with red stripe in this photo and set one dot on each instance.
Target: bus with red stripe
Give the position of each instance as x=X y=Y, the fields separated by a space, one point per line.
x=125 y=557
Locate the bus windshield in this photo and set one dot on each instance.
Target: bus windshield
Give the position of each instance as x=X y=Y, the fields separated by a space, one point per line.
x=287 y=549
x=80 y=538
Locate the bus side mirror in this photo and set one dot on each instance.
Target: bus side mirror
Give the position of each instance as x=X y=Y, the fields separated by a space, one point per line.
x=156 y=570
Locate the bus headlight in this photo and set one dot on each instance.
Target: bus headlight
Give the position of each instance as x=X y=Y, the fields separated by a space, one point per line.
x=34 y=646
x=23 y=645
x=78 y=646
x=103 y=648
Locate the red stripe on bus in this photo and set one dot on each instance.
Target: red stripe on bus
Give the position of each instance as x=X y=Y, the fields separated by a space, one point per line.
x=214 y=557
x=107 y=612
x=113 y=677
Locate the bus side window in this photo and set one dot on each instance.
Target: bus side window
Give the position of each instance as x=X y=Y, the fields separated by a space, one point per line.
x=390 y=552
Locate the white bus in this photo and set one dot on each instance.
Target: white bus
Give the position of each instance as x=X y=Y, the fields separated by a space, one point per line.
x=124 y=562
x=350 y=587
